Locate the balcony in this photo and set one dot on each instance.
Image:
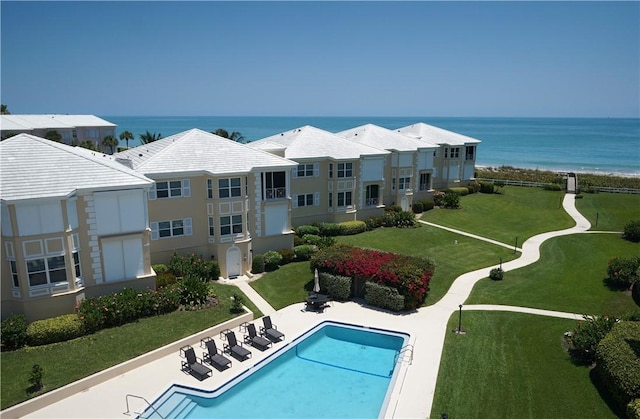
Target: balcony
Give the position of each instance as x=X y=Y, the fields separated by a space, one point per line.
x=275 y=193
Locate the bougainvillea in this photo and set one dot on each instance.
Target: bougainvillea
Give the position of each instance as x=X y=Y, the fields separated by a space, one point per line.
x=409 y=275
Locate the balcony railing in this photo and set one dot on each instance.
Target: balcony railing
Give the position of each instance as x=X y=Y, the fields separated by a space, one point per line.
x=371 y=202
x=275 y=193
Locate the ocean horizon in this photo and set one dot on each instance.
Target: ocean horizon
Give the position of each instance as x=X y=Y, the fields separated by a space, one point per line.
x=587 y=145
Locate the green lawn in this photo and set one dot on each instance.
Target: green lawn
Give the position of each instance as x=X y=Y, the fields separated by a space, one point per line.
x=512 y=365
x=609 y=211
x=69 y=361
x=516 y=212
x=568 y=277
x=288 y=285
x=452 y=259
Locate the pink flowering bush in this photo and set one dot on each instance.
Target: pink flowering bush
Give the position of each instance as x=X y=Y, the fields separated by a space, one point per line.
x=194 y=266
x=409 y=275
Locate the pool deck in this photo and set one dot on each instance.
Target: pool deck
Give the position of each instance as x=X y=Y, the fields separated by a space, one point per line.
x=413 y=392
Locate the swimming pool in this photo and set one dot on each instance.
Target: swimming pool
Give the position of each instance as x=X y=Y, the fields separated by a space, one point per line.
x=333 y=370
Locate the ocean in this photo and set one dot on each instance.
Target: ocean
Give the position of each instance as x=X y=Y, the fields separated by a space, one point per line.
x=594 y=145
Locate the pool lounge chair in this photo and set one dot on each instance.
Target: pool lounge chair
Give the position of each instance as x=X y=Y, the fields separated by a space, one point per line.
x=191 y=364
x=213 y=356
x=270 y=330
x=234 y=348
x=254 y=340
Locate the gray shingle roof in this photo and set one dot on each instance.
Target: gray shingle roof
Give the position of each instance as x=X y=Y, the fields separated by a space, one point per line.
x=379 y=137
x=436 y=135
x=31 y=122
x=33 y=167
x=309 y=142
x=197 y=151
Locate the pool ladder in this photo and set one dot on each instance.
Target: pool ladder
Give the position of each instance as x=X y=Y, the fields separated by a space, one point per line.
x=405 y=354
x=146 y=401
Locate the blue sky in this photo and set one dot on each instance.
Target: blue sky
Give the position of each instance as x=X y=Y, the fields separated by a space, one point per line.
x=557 y=59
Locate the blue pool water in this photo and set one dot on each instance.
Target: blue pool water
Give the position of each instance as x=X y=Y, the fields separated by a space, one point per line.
x=332 y=371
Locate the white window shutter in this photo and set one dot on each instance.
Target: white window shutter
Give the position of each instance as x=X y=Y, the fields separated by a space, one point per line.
x=186 y=188
x=294 y=172
x=316 y=169
x=209 y=209
x=154 y=231
x=152 y=192
x=316 y=198
x=295 y=201
x=187 y=227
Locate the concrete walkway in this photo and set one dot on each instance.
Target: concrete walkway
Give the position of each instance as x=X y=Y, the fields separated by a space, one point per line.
x=412 y=396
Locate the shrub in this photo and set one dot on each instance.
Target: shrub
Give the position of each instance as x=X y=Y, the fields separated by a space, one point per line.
x=393 y=208
x=473 y=187
x=622 y=272
x=374 y=222
x=257 y=264
x=13 y=331
x=618 y=363
x=194 y=266
x=237 y=304
x=487 y=187
x=304 y=252
x=402 y=219
x=353 y=227
x=287 y=255
x=54 y=329
x=496 y=274
x=438 y=198
x=460 y=190
x=337 y=286
x=307 y=229
x=632 y=231
x=451 y=200
x=633 y=409
x=272 y=260
x=383 y=296
x=297 y=240
x=329 y=229
x=586 y=336
x=35 y=378
x=417 y=207
x=193 y=292
x=311 y=239
x=551 y=187
x=326 y=242
x=160 y=268
x=427 y=204
x=164 y=279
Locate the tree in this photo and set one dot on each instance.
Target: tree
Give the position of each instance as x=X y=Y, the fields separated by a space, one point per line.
x=110 y=141
x=88 y=145
x=4 y=110
x=147 y=137
x=126 y=135
x=53 y=135
x=234 y=136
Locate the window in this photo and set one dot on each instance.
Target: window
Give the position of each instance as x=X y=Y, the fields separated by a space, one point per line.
x=372 y=195
x=49 y=270
x=425 y=181
x=230 y=224
x=229 y=188
x=210 y=188
x=76 y=264
x=470 y=151
x=171 y=228
x=211 y=227
x=453 y=152
x=344 y=199
x=404 y=183
x=330 y=170
x=304 y=170
x=14 y=273
x=330 y=199
x=170 y=189
x=304 y=200
x=275 y=186
x=345 y=170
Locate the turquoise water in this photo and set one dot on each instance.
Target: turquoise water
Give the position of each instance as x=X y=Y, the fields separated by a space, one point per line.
x=600 y=145
x=336 y=372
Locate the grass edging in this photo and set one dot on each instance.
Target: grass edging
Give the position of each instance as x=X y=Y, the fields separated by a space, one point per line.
x=53 y=396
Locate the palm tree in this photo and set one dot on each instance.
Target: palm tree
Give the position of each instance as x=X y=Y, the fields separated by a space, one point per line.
x=110 y=141
x=4 y=110
x=88 y=145
x=147 y=137
x=234 y=136
x=126 y=135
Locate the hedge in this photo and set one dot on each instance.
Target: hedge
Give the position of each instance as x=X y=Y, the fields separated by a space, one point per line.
x=633 y=409
x=257 y=264
x=337 y=286
x=55 y=329
x=618 y=363
x=348 y=228
x=272 y=260
x=307 y=229
x=13 y=331
x=427 y=204
x=384 y=297
x=460 y=190
x=304 y=251
x=329 y=229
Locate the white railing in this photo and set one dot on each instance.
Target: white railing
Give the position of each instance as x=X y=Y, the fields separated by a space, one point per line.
x=541 y=184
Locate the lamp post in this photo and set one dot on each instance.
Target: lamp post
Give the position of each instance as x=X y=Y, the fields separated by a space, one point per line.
x=500 y=263
x=459 y=329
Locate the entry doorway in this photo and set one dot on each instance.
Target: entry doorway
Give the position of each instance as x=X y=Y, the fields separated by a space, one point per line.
x=234 y=262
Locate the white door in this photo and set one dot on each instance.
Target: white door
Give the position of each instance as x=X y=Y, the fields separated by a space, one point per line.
x=234 y=262
x=404 y=203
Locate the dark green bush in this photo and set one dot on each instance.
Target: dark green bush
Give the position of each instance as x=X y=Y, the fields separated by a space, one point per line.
x=164 y=279
x=473 y=187
x=313 y=239
x=622 y=272
x=496 y=274
x=304 y=252
x=618 y=362
x=352 y=227
x=13 y=331
x=438 y=198
x=487 y=187
x=193 y=292
x=297 y=240
x=633 y=409
x=584 y=339
x=632 y=231
x=35 y=378
x=287 y=255
x=237 y=304
x=329 y=229
x=257 y=264
x=307 y=229
x=272 y=260
x=551 y=187
x=374 y=222
x=427 y=204
x=54 y=329
x=337 y=286
x=326 y=241
x=384 y=297
x=160 y=268
x=451 y=200
x=460 y=190
x=417 y=207
x=194 y=266
x=402 y=219
x=393 y=208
